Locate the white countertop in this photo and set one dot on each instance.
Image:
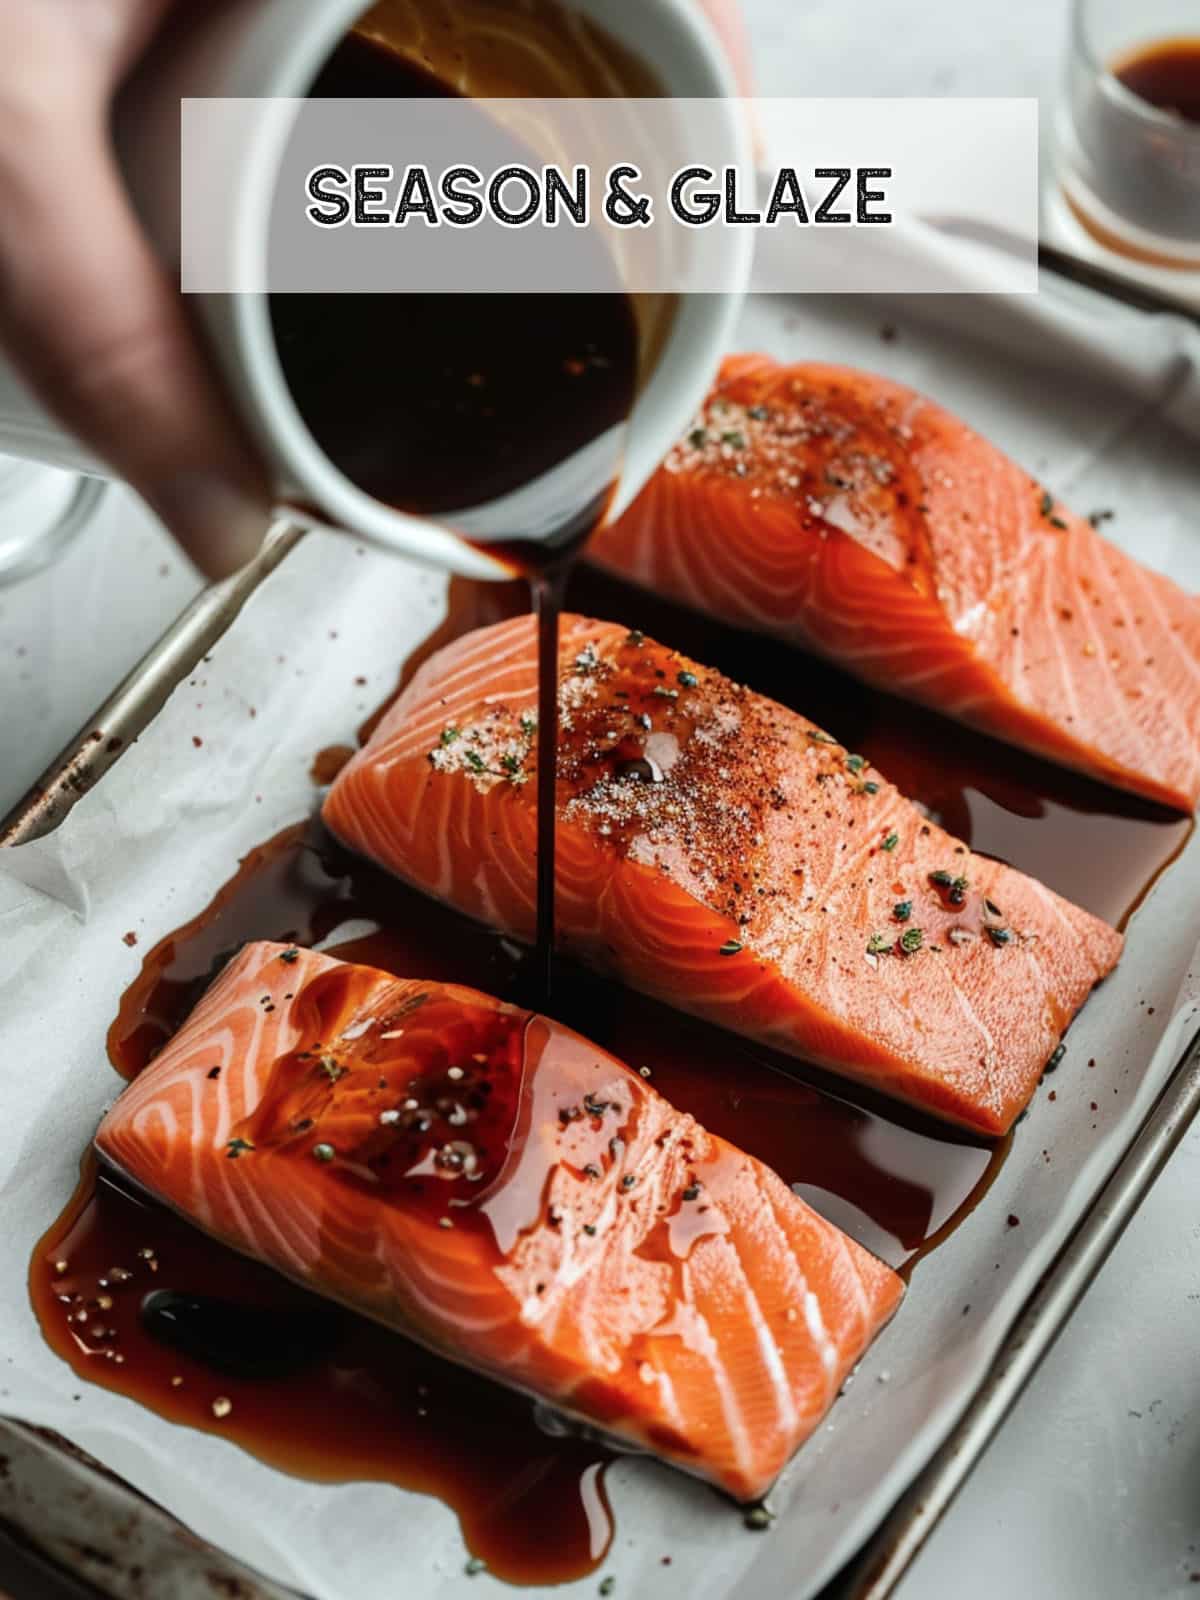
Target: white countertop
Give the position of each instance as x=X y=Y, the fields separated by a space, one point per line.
x=1093 y=1486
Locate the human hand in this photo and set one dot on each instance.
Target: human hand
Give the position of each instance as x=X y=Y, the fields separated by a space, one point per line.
x=87 y=313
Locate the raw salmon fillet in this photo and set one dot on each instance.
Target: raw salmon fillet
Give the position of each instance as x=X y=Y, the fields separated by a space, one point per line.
x=858 y=518
x=725 y=855
x=490 y=1183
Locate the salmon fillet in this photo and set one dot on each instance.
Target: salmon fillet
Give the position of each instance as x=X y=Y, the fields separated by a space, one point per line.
x=723 y=854
x=490 y=1183
x=859 y=519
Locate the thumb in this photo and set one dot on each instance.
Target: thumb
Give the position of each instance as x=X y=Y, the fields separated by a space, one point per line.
x=90 y=318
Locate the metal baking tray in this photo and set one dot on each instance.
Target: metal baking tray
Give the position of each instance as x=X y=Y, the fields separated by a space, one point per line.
x=928 y=1425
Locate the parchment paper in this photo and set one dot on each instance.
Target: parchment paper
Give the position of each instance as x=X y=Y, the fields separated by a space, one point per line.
x=147 y=849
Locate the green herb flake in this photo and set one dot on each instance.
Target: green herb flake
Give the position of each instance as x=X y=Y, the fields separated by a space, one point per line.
x=999 y=936
x=475 y=761
x=608 y=1585
x=332 y=1068
x=698 y=438
x=1058 y=522
x=902 y=910
x=1053 y=1064
x=869 y=787
x=664 y=693
x=735 y=440
x=290 y=956
x=449 y=735
x=878 y=944
x=757 y=413
x=475 y=1566
x=731 y=947
x=890 y=843
x=237 y=1147
x=323 y=1153
x=511 y=764
x=911 y=941
x=756 y=1518
x=635 y=637
x=1047 y=503
x=528 y=724
x=819 y=737
x=686 y=680
x=855 y=763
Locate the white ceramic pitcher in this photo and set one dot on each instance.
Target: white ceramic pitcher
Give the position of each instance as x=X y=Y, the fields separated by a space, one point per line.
x=275 y=48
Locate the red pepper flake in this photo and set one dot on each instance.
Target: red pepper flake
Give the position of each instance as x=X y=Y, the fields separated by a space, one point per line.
x=129 y=938
x=1013 y=1220
x=197 y=741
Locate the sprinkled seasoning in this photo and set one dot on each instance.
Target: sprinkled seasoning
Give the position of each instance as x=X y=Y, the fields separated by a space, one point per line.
x=290 y=956
x=687 y=680
x=869 y=787
x=818 y=736
x=222 y=1406
x=998 y=936
x=608 y=1585
x=902 y=910
x=698 y=438
x=636 y=637
x=855 y=763
x=323 y=1152
x=692 y=1192
x=955 y=887
x=475 y=761
x=878 y=944
x=757 y=1519
x=731 y=947
x=331 y=1068
x=449 y=735
x=1055 y=1059
x=911 y=940
x=475 y=1566
x=236 y=1147
x=890 y=843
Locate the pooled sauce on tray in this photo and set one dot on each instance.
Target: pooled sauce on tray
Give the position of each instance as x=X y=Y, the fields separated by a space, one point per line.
x=321 y=1392
x=318 y=1391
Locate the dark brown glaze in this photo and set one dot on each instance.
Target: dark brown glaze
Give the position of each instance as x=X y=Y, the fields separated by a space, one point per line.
x=408 y=1093
x=329 y=762
x=229 y=1347
x=1165 y=74
x=448 y=406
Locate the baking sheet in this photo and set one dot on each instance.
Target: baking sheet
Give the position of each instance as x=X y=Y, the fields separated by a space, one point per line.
x=148 y=848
